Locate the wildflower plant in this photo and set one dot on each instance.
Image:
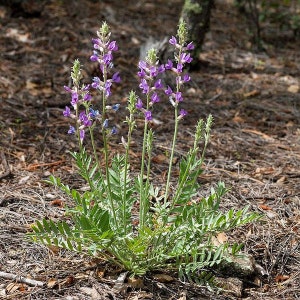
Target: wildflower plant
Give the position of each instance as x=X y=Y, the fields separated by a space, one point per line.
x=123 y=216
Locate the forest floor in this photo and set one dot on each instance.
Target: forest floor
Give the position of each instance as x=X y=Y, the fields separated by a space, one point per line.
x=255 y=144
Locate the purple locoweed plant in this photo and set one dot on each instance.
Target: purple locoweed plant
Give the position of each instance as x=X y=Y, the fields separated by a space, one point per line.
x=124 y=216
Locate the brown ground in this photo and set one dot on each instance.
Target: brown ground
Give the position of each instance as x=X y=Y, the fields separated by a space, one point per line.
x=255 y=147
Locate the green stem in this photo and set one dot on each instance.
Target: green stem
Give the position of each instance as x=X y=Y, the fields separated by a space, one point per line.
x=130 y=123
x=105 y=148
x=172 y=155
x=142 y=210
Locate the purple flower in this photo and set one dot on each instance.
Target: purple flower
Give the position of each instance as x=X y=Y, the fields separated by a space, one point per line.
x=114 y=130
x=107 y=88
x=87 y=97
x=190 y=46
x=144 y=86
x=141 y=73
x=95 y=56
x=96 y=83
x=142 y=65
x=161 y=69
x=74 y=98
x=81 y=135
x=155 y=98
x=186 y=78
x=182 y=113
x=148 y=115
x=96 y=42
x=153 y=71
x=112 y=46
x=169 y=65
x=173 y=41
x=67 y=89
x=86 y=87
x=94 y=113
x=105 y=123
x=84 y=119
x=107 y=58
x=71 y=130
x=158 y=84
x=67 y=112
x=179 y=68
x=185 y=58
x=168 y=91
x=139 y=104
x=116 y=107
x=178 y=97
x=116 y=77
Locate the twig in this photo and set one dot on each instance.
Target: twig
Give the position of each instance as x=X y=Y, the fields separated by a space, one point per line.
x=22 y=279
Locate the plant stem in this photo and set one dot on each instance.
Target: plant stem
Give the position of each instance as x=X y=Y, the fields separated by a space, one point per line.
x=105 y=148
x=172 y=155
x=130 y=125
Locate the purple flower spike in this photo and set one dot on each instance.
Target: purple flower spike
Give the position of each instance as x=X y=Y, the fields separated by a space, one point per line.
x=155 y=98
x=67 y=112
x=139 y=104
x=148 y=115
x=173 y=41
x=71 y=130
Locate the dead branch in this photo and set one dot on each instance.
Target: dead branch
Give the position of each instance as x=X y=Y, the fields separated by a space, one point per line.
x=22 y=279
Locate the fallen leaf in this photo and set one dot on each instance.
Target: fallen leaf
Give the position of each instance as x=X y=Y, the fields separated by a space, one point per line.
x=280 y=278
x=57 y=202
x=52 y=283
x=163 y=278
x=160 y=158
x=92 y=292
x=222 y=237
x=264 y=207
x=12 y=287
x=281 y=180
x=294 y=88
x=136 y=282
